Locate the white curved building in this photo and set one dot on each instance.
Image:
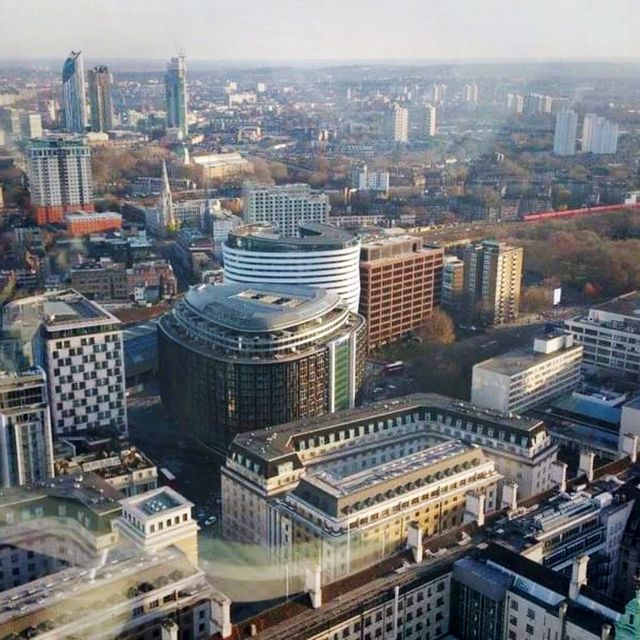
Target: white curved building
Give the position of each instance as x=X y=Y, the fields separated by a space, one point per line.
x=323 y=256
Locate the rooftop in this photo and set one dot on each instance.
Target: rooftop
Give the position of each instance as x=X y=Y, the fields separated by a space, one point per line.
x=88 y=489
x=625 y=305
x=260 y=308
x=160 y=500
x=278 y=441
x=519 y=360
x=312 y=235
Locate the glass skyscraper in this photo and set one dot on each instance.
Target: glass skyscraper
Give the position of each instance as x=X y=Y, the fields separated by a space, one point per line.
x=176 y=91
x=73 y=94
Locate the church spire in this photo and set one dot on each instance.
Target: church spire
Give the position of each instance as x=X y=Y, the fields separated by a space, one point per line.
x=165 y=205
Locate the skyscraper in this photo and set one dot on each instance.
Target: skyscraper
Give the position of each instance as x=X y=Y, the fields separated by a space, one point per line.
x=100 y=98
x=471 y=92
x=26 y=449
x=599 y=135
x=60 y=177
x=492 y=281
x=176 y=91
x=73 y=94
x=564 y=139
x=429 y=121
x=79 y=345
x=399 y=123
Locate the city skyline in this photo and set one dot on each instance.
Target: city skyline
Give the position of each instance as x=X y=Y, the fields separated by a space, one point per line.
x=325 y=30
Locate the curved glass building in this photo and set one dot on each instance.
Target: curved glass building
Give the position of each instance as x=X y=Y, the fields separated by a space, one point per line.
x=74 y=101
x=323 y=256
x=235 y=358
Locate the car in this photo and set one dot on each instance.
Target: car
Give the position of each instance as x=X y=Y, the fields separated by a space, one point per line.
x=210 y=520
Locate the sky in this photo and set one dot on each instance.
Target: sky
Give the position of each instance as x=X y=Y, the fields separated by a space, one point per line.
x=321 y=29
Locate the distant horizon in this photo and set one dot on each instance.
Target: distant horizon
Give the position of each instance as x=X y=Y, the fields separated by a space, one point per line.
x=320 y=30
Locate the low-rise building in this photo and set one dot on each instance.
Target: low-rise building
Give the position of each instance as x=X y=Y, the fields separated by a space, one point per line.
x=84 y=224
x=523 y=378
x=103 y=280
x=128 y=471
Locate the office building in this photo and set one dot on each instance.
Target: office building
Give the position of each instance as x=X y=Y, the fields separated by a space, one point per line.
x=610 y=336
x=101 y=98
x=492 y=281
x=429 y=121
x=599 y=135
x=194 y=250
x=79 y=345
x=81 y=562
x=26 y=449
x=74 y=100
x=175 y=82
x=400 y=283
x=452 y=284
x=470 y=92
x=102 y=280
x=256 y=356
x=264 y=467
x=498 y=595
x=321 y=256
x=60 y=178
x=564 y=137
x=398 y=124
x=347 y=489
x=561 y=528
x=523 y=378
x=284 y=207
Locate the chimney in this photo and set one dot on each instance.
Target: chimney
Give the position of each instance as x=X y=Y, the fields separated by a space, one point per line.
x=168 y=630
x=414 y=541
x=628 y=445
x=221 y=614
x=586 y=464
x=578 y=575
x=559 y=474
x=313 y=585
x=474 y=508
x=510 y=496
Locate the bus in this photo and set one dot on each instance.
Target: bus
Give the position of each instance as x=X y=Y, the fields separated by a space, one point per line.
x=394 y=367
x=168 y=478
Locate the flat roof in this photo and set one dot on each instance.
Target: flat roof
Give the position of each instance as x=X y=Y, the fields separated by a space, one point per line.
x=518 y=360
x=310 y=234
x=260 y=307
x=157 y=501
x=88 y=489
x=625 y=305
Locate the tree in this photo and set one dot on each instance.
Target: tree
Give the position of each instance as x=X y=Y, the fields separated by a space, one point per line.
x=535 y=299
x=438 y=328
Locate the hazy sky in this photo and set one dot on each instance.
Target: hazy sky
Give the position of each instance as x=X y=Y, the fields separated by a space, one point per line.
x=321 y=29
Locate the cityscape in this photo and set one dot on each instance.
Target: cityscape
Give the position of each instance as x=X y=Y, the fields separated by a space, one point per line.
x=319 y=321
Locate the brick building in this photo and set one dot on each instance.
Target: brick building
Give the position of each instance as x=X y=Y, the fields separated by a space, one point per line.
x=400 y=284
